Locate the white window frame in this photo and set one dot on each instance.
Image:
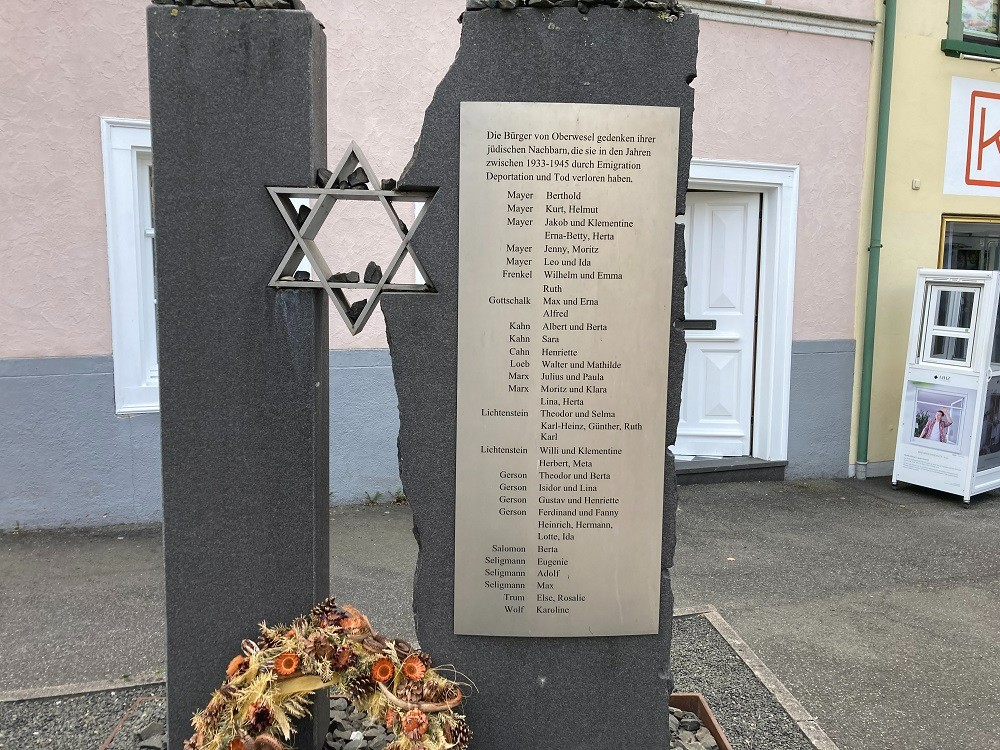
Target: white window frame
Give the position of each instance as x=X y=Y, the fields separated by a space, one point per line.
x=932 y=330
x=127 y=152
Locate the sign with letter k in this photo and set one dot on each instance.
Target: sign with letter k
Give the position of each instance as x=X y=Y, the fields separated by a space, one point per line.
x=982 y=165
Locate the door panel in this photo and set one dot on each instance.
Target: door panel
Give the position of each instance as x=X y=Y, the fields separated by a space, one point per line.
x=722 y=237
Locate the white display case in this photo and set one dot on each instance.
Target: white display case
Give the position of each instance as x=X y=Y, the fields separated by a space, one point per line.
x=949 y=424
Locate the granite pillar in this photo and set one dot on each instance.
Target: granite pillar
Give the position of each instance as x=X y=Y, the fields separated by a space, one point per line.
x=594 y=693
x=238 y=103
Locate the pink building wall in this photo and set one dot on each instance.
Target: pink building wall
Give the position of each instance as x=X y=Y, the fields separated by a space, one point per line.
x=763 y=95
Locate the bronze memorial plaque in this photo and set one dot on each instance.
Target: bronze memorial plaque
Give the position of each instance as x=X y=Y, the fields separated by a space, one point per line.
x=566 y=248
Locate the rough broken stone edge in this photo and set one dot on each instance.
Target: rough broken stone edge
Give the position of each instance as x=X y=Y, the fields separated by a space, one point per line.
x=662 y=6
x=805 y=721
x=265 y=5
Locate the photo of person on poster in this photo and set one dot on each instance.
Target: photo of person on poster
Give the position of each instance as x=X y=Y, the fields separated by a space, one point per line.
x=936 y=428
x=938 y=418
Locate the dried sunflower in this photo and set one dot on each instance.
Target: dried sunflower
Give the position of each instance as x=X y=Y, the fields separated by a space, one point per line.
x=383 y=670
x=414 y=668
x=415 y=724
x=287 y=663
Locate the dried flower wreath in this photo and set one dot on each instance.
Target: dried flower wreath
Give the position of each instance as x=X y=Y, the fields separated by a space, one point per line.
x=271 y=684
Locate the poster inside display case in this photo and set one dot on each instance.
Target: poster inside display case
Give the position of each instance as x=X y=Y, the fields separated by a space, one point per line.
x=949 y=428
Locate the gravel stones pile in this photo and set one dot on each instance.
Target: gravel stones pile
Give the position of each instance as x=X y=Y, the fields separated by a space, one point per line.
x=671 y=7
x=351 y=729
x=258 y=4
x=688 y=733
x=703 y=662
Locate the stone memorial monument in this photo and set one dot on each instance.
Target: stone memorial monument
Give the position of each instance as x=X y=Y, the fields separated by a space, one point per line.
x=538 y=377
x=237 y=102
x=539 y=388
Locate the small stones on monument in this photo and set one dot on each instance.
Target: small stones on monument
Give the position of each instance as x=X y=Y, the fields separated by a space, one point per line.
x=388 y=185
x=303 y=214
x=358 y=180
x=348 y=277
x=323 y=176
x=584 y=6
x=373 y=273
x=224 y=3
x=302 y=276
x=355 y=310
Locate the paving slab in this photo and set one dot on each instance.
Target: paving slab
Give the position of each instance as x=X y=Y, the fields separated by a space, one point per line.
x=878 y=608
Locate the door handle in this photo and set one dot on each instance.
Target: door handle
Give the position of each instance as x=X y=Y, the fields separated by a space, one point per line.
x=696 y=325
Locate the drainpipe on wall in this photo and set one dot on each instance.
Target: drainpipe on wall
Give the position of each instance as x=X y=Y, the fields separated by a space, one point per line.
x=875 y=240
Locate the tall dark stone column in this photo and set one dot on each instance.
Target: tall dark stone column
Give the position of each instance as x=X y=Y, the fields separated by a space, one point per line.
x=594 y=693
x=238 y=103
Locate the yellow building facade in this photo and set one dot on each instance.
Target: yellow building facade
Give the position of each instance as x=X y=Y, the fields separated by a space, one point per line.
x=941 y=206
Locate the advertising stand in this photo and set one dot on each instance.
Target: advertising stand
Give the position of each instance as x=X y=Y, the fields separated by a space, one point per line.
x=949 y=425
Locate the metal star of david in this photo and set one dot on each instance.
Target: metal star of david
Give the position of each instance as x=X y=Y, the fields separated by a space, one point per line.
x=305 y=224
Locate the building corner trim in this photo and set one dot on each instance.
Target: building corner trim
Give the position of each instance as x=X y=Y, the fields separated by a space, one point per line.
x=785 y=19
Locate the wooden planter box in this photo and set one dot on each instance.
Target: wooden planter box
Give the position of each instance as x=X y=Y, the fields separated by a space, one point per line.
x=696 y=704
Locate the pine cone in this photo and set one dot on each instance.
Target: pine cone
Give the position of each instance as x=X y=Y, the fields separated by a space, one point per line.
x=425 y=658
x=360 y=687
x=267 y=641
x=344 y=658
x=411 y=692
x=213 y=710
x=228 y=690
x=327 y=613
x=441 y=692
x=319 y=647
x=458 y=734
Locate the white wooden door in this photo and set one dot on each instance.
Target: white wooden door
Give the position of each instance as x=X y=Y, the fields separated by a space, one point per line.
x=722 y=239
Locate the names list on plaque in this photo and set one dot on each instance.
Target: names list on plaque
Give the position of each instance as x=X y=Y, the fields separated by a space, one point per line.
x=565 y=263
